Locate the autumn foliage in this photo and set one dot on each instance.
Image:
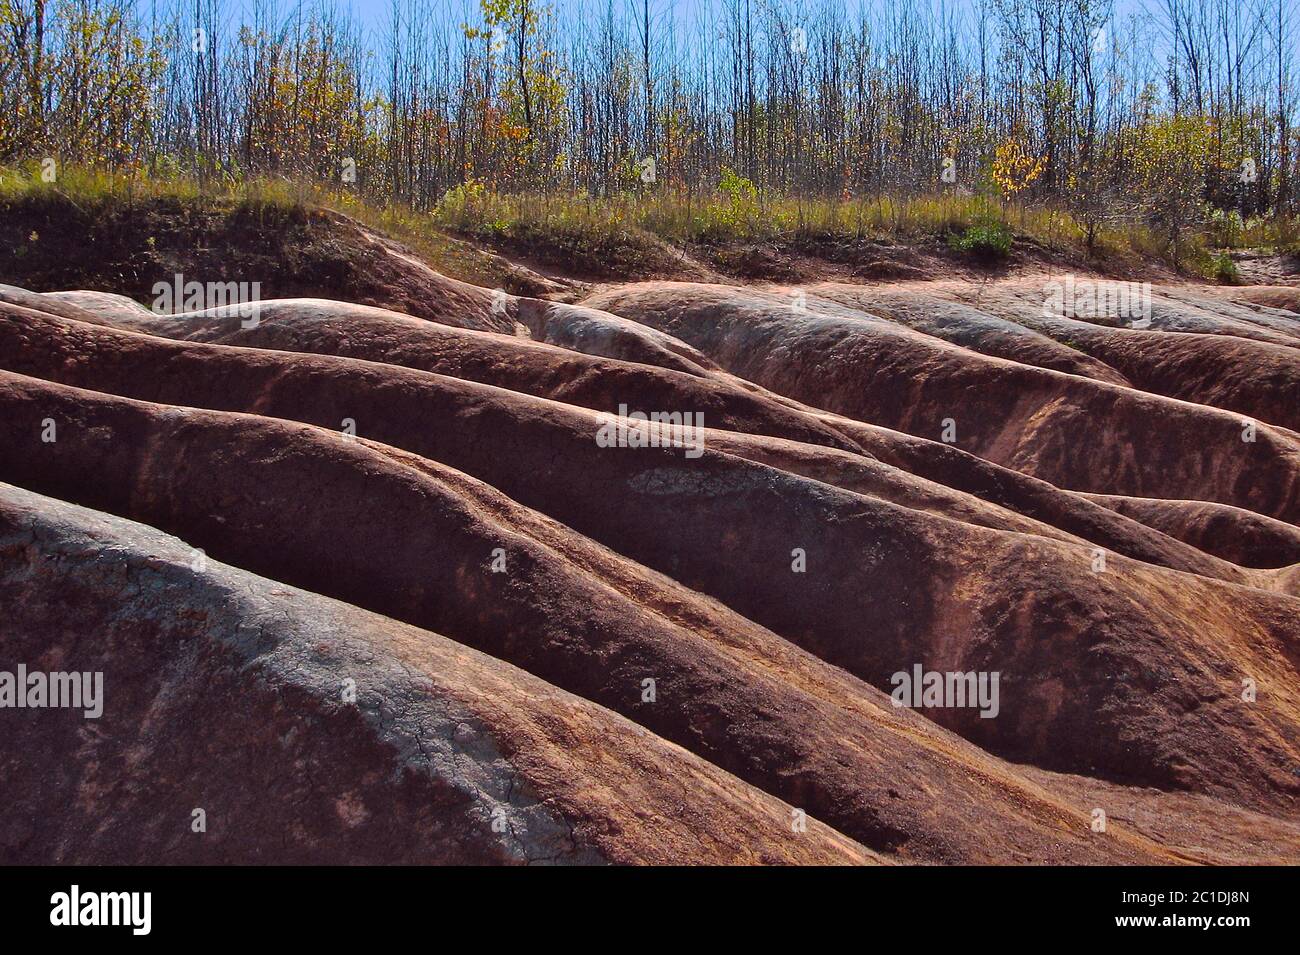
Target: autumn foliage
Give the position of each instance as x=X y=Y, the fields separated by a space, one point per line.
x=1051 y=104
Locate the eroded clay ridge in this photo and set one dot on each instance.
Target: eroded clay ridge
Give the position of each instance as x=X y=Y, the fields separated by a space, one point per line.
x=1083 y=433
x=770 y=574
x=439 y=754
x=334 y=328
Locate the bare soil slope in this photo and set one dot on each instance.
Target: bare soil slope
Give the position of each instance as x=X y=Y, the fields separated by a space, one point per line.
x=443 y=755
x=636 y=640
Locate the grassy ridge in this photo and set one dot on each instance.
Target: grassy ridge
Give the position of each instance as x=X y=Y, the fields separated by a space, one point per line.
x=643 y=234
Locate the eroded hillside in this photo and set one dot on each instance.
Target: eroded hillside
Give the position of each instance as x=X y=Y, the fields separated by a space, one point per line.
x=574 y=636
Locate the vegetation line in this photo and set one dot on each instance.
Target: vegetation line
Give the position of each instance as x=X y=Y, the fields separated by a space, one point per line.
x=1166 y=130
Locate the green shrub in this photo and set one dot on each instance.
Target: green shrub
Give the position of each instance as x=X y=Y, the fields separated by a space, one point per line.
x=1223 y=269
x=1226 y=228
x=988 y=240
x=735 y=216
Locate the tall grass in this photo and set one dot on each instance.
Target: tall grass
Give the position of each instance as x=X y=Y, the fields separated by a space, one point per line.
x=93 y=186
x=721 y=219
x=620 y=229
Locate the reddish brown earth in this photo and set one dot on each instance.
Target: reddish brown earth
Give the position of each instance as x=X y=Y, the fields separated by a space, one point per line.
x=1076 y=432
x=1239 y=536
x=440 y=740
x=1098 y=534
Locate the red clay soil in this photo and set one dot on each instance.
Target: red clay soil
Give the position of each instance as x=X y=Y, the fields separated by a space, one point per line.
x=444 y=755
x=1257 y=379
x=413 y=540
x=1075 y=432
x=521 y=365
x=910 y=617
x=48 y=346
x=52 y=241
x=1251 y=377
x=1286 y=297
x=821 y=540
x=575 y=615
x=1236 y=535
x=961 y=324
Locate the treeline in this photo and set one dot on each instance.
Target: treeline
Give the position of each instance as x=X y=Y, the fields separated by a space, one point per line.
x=1169 y=112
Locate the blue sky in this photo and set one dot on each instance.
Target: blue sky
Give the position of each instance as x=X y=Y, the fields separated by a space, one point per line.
x=685 y=14
x=376 y=12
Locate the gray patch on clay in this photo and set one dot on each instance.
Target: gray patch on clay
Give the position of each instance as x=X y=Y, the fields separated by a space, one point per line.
x=436 y=737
